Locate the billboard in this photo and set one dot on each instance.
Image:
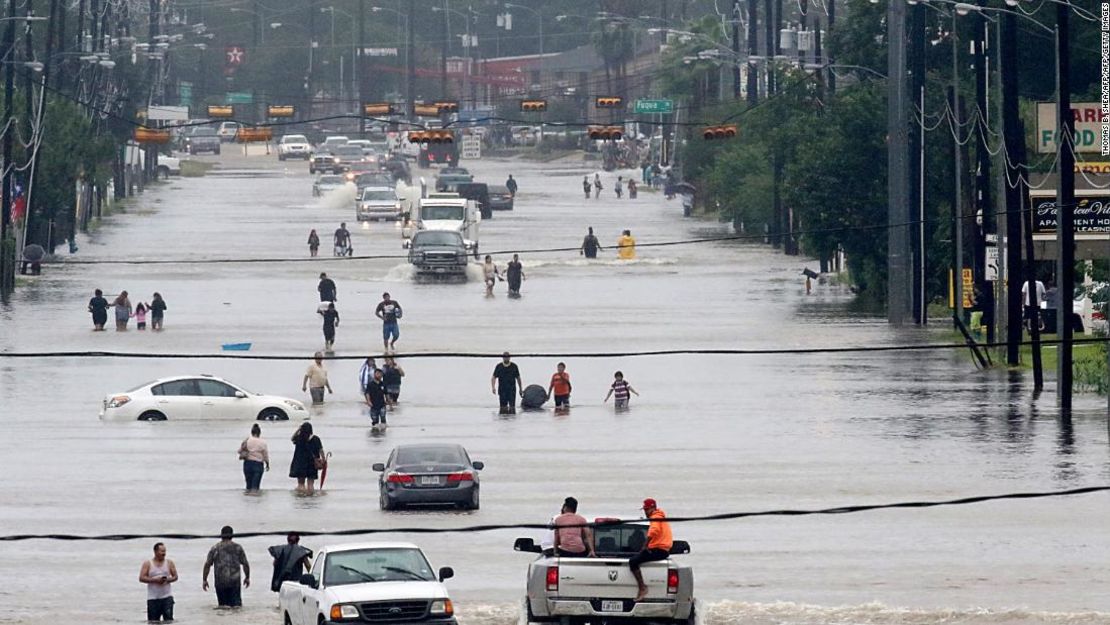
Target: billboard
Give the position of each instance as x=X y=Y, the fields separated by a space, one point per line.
x=1090 y=126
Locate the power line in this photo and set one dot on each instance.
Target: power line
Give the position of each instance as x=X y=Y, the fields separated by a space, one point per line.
x=785 y=351
x=489 y=527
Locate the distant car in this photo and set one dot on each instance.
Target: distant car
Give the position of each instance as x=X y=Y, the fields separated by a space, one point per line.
x=294 y=146
x=364 y=145
x=327 y=183
x=348 y=156
x=499 y=198
x=399 y=168
x=196 y=397
x=450 y=177
x=375 y=178
x=376 y=203
x=428 y=474
x=227 y=131
x=201 y=139
x=324 y=161
x=332 y=142
x=168 y=165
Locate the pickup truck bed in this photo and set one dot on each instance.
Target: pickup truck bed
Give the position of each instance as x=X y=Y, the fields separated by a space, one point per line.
x=574 y=591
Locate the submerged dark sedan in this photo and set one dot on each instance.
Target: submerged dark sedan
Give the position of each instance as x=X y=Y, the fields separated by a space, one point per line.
x=428 y=474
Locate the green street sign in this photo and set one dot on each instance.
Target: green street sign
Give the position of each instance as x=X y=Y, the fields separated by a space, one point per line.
x=654 y=106
x=238 y=97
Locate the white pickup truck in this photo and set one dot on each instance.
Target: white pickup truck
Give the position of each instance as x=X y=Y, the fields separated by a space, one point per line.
x=444 y=211
x=384 y=582
x=573 y=591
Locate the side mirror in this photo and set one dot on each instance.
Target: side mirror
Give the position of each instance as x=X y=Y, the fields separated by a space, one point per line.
x=446 y=572
x=309 y=580
x=478 y=465
x=526 y=544
x=680 y=547
x=378 y=466
x=240 y=395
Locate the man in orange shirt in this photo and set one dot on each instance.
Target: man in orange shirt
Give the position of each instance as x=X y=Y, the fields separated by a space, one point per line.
x=560 y=387
x=658 y=545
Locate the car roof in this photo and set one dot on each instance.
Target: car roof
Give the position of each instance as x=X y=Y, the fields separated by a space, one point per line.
x=429 y=445
x=375 y=545
x=499 y=188
x=195 y=376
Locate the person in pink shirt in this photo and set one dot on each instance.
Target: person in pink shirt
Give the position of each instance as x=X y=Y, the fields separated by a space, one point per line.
x=140 y=316
x=572 y=538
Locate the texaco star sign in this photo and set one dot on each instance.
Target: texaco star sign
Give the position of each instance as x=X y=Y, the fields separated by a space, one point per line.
x=235 y=55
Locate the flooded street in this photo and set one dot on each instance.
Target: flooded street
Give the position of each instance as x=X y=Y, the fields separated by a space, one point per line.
x=707 y=435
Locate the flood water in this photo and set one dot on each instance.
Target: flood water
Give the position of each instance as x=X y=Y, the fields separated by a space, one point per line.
x=708 y=434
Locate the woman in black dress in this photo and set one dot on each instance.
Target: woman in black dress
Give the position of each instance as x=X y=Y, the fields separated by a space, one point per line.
x=307 y=451
x=98 y=306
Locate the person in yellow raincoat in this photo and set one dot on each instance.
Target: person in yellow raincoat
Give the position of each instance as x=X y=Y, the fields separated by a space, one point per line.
x=626 y=246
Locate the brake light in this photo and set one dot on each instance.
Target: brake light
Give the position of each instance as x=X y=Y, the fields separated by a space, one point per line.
x=1097 y=315
x=399 y=478
x=672 y=581
x=552 y=578
x=460 y=477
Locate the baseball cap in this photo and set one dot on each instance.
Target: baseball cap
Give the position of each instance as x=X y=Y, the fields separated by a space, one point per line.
x=649 y=503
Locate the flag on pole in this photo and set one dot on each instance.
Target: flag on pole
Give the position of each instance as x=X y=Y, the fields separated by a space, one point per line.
x=19 y=202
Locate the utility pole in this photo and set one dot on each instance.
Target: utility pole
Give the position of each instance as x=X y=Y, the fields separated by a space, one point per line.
x=7 y=240
x=899 y=270
x=410 y=55
x=736 y=51
x=983 y=205
x=753 y=35
x=308 y=87
x=832 y=60
x=1065 y=210
x=443 y=50
x=917 y=161
x=769 y=44
x=1014 y=187
x=360 y=69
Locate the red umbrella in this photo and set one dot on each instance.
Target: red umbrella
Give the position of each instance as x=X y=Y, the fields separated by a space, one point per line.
x=324 y=471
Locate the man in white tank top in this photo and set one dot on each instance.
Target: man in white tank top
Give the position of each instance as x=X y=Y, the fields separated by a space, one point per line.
x=159 y=574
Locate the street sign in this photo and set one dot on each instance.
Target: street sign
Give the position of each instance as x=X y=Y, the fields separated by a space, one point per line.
x=471 y=147
x=654 y=106
x=238 y=97
x=167 y=113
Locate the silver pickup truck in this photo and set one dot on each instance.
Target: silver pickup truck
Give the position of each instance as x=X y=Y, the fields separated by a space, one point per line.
x=573 y=591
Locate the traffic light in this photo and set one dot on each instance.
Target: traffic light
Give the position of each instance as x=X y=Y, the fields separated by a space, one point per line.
x=432 y=136
x=710 y=133
x=605 y=133
x=282 y=110
x=533 y=106
x=447 y=106
x=425 y=110
x=250 y=134
x=609 y=102
x=151 y=135
x=379 y=109
x=221 y=111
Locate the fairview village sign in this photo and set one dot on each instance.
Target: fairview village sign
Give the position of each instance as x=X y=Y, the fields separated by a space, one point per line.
x=1092 y=213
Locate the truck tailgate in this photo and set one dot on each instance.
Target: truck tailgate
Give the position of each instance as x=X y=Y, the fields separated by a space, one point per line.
x=609 y=578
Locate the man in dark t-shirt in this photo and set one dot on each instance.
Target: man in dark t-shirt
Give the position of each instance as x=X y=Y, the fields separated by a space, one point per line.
x=505 y=383
x=389 y=311
x=326 y=288
x=590 y=245
x=514 y=273
x=375 y=398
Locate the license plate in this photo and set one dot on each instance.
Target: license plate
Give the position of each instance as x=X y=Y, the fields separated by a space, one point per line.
x=429 y=480
x=612 y=606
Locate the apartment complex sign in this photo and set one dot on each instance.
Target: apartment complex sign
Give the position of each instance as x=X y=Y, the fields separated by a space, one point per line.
x=1092 y=213
x=1088 y=126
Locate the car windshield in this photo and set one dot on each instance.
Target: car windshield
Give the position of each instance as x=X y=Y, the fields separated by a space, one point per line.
x=349 y=151
x=294 y=139
x=376 y=565
x=437 y=238
x=430 y=454
x=204 y=131
x=378 y=195
x=331 y=179
x=440 y=212
x=499 y=189
x=454 y=171
x=140 y=387
x=375 y=178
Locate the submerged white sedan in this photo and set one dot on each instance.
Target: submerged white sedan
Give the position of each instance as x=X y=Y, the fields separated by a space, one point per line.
x=196 y=397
